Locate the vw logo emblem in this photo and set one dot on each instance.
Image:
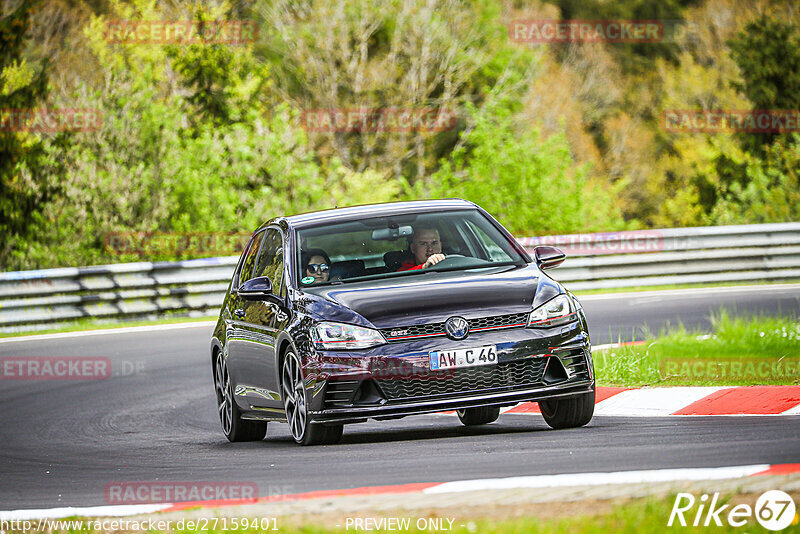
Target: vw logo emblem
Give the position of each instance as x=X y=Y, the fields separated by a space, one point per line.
x=456 y=328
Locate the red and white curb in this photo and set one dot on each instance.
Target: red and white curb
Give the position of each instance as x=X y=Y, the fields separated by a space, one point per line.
x=667 y=401
x=537 y=481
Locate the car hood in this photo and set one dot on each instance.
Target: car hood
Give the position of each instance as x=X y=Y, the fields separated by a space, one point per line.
x=434 y=297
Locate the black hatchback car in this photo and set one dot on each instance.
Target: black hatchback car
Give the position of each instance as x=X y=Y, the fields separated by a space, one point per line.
x=391 y=310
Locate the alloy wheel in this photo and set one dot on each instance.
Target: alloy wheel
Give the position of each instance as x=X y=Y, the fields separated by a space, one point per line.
x=224 y=396
x=294 y=396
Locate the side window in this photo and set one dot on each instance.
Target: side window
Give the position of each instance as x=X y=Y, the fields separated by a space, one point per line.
x=451 y=241
x=246 y=272
x=494 y=251
x=270 y=260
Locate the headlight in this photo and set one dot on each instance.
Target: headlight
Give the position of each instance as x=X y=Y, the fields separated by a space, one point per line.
x=338 y=336
x=554 y=312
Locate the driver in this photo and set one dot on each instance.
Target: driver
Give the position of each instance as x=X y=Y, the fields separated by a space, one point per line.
x=426 y=247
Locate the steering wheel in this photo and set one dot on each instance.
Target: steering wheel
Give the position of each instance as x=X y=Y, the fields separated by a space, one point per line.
x=448 y=261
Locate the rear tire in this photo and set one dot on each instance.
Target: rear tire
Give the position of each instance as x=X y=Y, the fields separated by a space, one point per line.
x=233 y=426
x=568 y=413
x=479 y=416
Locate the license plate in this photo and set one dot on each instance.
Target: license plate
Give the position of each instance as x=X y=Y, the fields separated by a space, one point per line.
x=449 y=359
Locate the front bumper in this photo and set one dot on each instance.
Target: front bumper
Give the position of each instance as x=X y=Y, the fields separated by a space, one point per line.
x=359 y=414
x=533 y=365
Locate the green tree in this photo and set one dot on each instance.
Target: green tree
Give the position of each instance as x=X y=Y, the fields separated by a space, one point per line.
x=25 y=187
x=164 y=160
x=529 y=183
x=772 y=190
x=768 y=54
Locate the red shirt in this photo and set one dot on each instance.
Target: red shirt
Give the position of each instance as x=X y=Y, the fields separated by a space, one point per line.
x=408 y=265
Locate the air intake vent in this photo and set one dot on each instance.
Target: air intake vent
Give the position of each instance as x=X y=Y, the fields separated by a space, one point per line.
x=340 y=393
x=575 y=363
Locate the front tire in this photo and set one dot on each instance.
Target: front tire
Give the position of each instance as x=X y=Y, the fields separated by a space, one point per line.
x=479 y=416
x=233 y=426
x=568 y=413
x=295 y=403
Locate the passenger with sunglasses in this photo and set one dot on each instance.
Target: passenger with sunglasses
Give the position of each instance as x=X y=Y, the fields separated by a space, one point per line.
x=316 y=265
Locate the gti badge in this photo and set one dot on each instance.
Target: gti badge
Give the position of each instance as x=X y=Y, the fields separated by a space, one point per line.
x=456 y=328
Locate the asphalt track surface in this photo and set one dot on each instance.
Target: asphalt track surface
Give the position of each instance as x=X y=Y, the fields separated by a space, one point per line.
x=155 y=419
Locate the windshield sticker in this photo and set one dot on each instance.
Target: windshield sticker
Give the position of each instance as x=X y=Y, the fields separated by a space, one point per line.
x=308 y=280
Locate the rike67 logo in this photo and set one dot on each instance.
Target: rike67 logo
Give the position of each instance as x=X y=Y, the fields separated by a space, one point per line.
x=774 y=510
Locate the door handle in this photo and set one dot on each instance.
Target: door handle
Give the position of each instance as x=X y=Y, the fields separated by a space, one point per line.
x=239 y=313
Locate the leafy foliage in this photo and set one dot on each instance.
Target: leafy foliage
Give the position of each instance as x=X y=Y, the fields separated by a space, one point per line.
x=503 y=169
x=768 y=53
x=25 y=186
x=551 y=139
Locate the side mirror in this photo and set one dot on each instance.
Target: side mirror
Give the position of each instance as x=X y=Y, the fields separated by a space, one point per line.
x=258 y=288
x=548 y=257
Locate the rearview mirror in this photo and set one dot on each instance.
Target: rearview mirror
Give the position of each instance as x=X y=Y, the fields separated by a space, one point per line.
x=391 y=234
x=548 y=257
x=258 y=288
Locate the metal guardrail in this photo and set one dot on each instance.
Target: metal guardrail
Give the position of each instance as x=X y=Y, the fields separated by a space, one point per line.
x=31 y=300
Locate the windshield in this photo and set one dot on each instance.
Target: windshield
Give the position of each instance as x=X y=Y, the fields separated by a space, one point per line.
x=402 y=245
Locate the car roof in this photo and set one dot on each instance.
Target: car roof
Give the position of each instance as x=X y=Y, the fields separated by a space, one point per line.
x=373 y=210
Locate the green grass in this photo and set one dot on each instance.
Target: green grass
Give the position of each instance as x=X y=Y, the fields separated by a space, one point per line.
x=641 y=515
x=740 y=352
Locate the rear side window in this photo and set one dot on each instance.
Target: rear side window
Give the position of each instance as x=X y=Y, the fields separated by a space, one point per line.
x=246 y=271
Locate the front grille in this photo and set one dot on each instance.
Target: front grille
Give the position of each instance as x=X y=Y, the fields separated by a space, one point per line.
x=511 y=375
x=420 y=330
x=497 y=322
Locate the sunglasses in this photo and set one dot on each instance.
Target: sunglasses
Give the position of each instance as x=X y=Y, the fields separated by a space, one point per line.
x=316 y=268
